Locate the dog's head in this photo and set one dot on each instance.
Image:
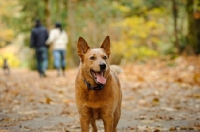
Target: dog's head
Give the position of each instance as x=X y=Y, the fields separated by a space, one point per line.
x=94 y=61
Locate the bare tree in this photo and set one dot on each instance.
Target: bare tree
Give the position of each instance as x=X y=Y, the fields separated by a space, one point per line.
x=193 y=36
x=47 y=13
x=72 y=33
x=175 y=16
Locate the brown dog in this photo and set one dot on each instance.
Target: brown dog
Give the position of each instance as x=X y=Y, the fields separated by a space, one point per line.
x=97 y=88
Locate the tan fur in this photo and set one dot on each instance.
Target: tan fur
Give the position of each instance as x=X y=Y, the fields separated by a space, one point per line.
x=102 y=104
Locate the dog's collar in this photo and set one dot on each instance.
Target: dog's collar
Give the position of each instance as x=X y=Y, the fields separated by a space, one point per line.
x=98 y=87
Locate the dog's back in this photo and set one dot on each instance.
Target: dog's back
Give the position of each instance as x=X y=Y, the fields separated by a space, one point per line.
x=116 y=69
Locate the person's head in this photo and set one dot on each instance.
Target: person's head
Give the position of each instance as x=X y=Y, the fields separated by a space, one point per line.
x=37 y=23
x=58 y=25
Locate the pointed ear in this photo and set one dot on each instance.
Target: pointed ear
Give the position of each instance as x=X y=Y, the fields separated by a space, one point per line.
x=82 y=47
x=106 y=45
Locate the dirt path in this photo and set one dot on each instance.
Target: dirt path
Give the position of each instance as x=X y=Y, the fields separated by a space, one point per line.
x=157 y=96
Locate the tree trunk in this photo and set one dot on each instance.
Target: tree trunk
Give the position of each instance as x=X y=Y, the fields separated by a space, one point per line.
x=47 y=13
x=197 y=27
x=48 y=25
x=59 y=8
x=190 y=35
x=175 y=16
x=193 y=36
x=74 y=61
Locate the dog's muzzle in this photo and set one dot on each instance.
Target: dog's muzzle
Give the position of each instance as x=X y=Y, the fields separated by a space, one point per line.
x=102 y=66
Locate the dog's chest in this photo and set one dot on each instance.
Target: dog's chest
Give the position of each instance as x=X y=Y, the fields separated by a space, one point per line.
x=96 y=95
x=94 y=99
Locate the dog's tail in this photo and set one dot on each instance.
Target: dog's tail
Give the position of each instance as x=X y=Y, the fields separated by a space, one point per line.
x=116 y=69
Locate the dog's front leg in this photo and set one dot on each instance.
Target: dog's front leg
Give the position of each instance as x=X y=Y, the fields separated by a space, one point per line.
x=108 y=123
x=85 y=117
x=84 y=123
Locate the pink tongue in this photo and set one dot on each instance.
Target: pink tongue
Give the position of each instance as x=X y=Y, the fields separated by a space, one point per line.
x=100 y=78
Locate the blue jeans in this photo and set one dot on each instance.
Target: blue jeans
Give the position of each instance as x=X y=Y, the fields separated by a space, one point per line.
x=42 y=59
x=59 y=59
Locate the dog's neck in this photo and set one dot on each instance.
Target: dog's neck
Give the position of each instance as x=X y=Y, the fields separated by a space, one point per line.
x=98 y=87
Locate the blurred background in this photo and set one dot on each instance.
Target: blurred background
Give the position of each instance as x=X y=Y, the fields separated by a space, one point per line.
x=139 y=29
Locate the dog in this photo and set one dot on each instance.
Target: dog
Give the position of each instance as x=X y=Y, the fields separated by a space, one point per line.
x=6 y=68
x=98 y=92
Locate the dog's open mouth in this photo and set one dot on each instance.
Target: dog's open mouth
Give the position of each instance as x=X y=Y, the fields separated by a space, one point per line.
x=98 y=77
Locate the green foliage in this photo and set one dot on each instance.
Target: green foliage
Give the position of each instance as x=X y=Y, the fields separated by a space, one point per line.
x=13 y=61
x=32 y=62
x=7 y=34
x=141 y=36
x=127 y=52
x=93 y=20
x=139 y=29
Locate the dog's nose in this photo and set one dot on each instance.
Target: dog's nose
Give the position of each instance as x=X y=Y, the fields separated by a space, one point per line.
x=102 y=66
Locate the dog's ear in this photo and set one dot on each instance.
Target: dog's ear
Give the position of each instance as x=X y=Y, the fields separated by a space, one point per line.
x=82 y=47
x=106 y=45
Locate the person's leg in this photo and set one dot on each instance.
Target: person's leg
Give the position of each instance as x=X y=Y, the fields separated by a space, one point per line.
x=39 y=60
x=56 y=55
x=63 y=60
x=44 y=60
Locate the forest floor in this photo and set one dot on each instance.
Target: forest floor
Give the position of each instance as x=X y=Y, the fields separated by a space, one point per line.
x=159 y=95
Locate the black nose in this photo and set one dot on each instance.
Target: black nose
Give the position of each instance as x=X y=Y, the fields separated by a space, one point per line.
x=102 y=66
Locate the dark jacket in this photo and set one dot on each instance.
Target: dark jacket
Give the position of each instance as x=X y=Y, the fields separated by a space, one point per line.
x=39 y=35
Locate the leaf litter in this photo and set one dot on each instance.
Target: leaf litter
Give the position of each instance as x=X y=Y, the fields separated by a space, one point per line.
x=158 y=95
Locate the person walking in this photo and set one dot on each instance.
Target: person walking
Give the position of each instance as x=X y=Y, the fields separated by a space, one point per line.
x=59 y=39
x=39 y=35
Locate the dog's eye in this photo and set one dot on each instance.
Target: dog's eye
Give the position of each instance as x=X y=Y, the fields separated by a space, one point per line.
x=104 y=57
x=92 y=58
